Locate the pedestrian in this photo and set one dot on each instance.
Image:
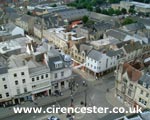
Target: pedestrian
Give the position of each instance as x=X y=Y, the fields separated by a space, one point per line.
x=107 y=90
x=83 y=83
x=77 y=85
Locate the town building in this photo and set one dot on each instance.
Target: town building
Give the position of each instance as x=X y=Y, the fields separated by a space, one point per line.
x=26 y=22
x=100 y=62
x=11 y=29
x=145 y=115
x=132 y=84
x=94 y=31
x=79 y=52
x=106 y=43
x=139 y=7
x=62 y=39
x=40 y=71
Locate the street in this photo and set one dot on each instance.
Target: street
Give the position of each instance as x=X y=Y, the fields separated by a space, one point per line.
x=96 y=96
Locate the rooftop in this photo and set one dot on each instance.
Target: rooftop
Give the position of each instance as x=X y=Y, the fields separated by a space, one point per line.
x=133 y=74
x=103 y=42
x=142 y=5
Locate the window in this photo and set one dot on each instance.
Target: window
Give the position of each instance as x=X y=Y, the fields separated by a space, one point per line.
x=7 y=94
x=94 y=67
x=18 y=91
x=33 y=86
x=62 y=73
x=58 y=64
x=129 y=92
x=22 y=73
x=0 y=95
x=3 y=79
x=147 y=94
x=15 y=75
x=56 y=85
x=42 y=76
x=141 y=91
x=46 y=75
x=142 y=101
x=32 y=79
x=55 y=75
x=37 y=78
x=131 y=85
x=16 y=82
x=25 y=90
x=5 y=86
x=23 y=80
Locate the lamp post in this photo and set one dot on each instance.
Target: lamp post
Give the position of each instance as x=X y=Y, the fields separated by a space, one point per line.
x=71 y=88
x=85 y=92
x=85 y=102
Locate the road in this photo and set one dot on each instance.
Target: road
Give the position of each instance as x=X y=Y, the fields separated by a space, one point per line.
x=96 y=92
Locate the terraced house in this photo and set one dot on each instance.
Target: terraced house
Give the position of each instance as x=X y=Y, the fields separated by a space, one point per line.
x=40 y=71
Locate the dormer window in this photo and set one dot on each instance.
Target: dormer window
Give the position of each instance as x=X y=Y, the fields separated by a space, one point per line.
x=58 y=64
x=144 y=84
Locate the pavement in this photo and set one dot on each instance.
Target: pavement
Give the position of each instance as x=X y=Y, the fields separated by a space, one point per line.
x=84 y=75
x=110 y=96
x=8 y=111
x=97 y=96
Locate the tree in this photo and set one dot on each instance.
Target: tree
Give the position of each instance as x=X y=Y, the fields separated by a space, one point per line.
x=98 y=10
x=111 y=11
x=89 y=7
x=128 y=21
x=117 y=12
x=85 y=19
x=132 y=9
x=29 y=13
x=114 y=1
x=104 y=11
x=54 y=5
x=124 y=11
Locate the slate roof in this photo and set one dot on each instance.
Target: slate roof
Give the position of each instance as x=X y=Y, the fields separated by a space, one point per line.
x=112 y=53
x=10 y=10
x=72 y=14
x=94 y=54
x=13 y=16
x=50 y=20
x=86 y=48
x=145 y=79
x=132 y=46
x=52 y=60
x=116 y=34
x=102 y=25
x=55 y=56
x=10 y=27
x=26 y=18
x=134 y=26
x=3 y=65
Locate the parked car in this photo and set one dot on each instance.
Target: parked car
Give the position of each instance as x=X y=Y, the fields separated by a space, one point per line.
x=53 y=118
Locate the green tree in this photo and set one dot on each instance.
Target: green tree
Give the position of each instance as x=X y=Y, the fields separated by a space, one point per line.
x=54 y=5
x=29 y=13
x=98 y=10
x=104 y=11
x=85 y=19
x=132 y=9
x=123 y=11
x=128 y=21
x=111 y=11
